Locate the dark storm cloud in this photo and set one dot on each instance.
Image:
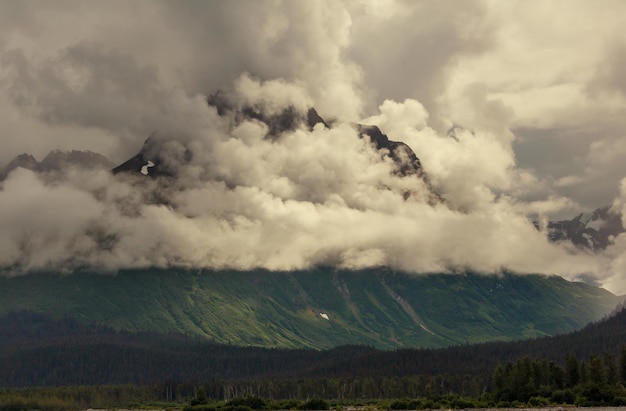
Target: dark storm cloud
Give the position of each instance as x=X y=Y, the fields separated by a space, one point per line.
x=418 y=42
x=609 y=76
x=72 y=60
x=83 y=85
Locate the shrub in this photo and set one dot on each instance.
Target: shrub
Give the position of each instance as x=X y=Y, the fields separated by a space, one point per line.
x=399 y=405
x=235 y=408
x=414 y=404
x=459 y=403
x=254 y=403
x=563 y=397
x=619 y=401
x=315 y=404
x=538 y=401
x=201 y=407
x=285 y=405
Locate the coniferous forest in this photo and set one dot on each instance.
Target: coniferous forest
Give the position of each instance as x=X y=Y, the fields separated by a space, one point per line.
x=62 y=364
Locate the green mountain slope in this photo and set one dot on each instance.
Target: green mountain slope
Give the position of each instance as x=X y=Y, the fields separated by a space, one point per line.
x=374 y=307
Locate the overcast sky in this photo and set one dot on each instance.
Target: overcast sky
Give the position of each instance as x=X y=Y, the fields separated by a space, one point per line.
x=536 y=90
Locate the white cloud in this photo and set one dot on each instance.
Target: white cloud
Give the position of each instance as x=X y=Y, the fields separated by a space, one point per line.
x=301 y=199
x=105 y=76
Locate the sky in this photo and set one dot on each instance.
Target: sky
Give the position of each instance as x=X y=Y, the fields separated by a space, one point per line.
x=515 y=109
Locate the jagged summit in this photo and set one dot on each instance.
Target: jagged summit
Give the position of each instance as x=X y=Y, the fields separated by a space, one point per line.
x=287 y=119
x=24 y=160
x=594 y=230
x=150 y=161
x=57 y=160
x=399 y=152
x=290 y=118
x=312 y=118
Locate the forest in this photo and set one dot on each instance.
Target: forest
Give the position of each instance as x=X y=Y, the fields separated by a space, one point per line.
x=52 y=364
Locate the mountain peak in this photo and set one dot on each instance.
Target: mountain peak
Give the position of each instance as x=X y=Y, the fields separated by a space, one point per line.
x=149 y=160
x=57 y=160
x=594 y=230
x=400 y=153
x=278 y=121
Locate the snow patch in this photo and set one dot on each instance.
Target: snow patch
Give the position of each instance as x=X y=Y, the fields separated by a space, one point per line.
x=324 y=316
x=144 y=169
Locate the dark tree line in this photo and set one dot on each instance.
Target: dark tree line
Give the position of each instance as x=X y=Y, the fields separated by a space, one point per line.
x=39 y=351
x=596 y=381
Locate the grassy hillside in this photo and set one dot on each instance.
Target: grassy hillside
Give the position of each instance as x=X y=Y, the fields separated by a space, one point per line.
x=270 y=309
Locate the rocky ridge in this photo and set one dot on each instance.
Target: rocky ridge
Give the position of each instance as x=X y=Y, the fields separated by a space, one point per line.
x=57 y=160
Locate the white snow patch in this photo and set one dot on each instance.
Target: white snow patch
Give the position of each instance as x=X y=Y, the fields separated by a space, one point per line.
x=324 y=316
x=144 y=169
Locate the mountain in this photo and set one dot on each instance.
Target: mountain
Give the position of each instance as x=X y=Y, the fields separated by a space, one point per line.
x=319 y=308
x=594 y=230
x=41 y=351
x=150 y=160
x=57 y=160
x=23 y=160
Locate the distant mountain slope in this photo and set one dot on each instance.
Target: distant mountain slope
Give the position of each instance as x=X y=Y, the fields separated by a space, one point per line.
x=37 y=350
x=319 y=308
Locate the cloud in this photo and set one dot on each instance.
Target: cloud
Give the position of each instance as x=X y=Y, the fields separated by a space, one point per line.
x=409 y=49
x=464 y=166
x=83 y=85
x=617 y=251
x=608 y=77
x=111 y=69
x=301 y=199
x=513 y=114
x=43 y=223
x=558 y=80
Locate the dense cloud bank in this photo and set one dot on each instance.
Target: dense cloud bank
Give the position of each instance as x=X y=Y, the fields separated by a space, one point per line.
x=238 y=199
x=512 y=118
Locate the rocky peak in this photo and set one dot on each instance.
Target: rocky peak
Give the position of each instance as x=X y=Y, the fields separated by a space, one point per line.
x=57 y=160
x=149 y=161
x=594 y=230
x=288 y=119
x=400 y=153
x=153 y=161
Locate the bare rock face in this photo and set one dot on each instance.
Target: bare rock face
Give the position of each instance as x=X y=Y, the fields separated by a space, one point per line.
x=400 y=153
x=24 y=161
x=593 y=231
x=147 y=161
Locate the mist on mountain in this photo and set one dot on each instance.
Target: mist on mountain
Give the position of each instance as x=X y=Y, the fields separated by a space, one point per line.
x=237 y=192
x=454 y=83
